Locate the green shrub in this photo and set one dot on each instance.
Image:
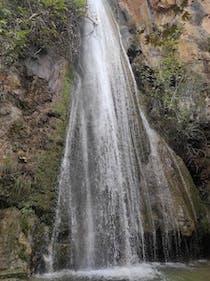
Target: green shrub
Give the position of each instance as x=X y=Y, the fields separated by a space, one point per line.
x=28 y=27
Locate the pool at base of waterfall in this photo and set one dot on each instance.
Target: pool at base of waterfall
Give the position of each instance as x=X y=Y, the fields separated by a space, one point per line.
x=194 y=271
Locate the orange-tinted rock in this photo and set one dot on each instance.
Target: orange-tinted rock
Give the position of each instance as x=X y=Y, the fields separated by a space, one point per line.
x=193 y=18
x=138 y=10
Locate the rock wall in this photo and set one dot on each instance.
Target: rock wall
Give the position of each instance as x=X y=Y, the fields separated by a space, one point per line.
x=34 y=106
x=194 y=17
x=150 y=21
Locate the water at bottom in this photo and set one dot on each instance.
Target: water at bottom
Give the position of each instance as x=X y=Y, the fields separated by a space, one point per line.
x=195 y=271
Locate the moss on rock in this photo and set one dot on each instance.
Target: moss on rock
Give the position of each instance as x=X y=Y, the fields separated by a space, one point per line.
x=29 y=175
x=15 y=248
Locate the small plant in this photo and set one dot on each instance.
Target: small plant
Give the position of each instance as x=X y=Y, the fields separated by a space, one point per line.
x=164 y=35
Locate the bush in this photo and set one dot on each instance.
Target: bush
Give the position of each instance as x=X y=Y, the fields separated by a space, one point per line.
x=29 y=27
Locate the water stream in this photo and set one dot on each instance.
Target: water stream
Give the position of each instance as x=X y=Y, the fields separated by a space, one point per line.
x=123 y=198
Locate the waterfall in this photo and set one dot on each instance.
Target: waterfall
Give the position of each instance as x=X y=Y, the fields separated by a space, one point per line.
x=119 y=182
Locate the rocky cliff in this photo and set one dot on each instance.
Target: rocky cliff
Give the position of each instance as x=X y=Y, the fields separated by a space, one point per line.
x=170 y=57
x=38 y=42
x=33 y=112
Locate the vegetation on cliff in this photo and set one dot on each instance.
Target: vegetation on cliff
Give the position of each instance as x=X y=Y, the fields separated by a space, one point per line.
x=34 y=114
x=37 y=37
x=30 y=27
x=173 y=95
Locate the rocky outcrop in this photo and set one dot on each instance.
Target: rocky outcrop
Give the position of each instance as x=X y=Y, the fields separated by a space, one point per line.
x=194 y=18
x=169 y=33
x=33 y=116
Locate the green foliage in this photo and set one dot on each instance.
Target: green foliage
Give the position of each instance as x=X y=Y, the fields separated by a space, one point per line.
x=18 y=130
x=169 y=76
x=165 y=35
x=80 y=5
x=26 y=212
x=29 y=27
x=15 y=184
x=179 y=8
x=176 y=96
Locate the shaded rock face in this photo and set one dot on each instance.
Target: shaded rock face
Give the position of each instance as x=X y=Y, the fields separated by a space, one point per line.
x=47 y=67
x=175 y=205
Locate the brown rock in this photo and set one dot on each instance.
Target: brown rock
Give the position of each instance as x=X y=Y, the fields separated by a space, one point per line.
x=4 y=110
x=206 y=23
x=138 y=10
x=163 y=4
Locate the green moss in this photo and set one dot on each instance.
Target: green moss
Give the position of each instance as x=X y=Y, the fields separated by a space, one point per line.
x=22 y=253
x=61 y=107
x=18 y=131
x=21 y=276
x=80 y=5
x=32 y=184
x=48 y=161
x=26 y=213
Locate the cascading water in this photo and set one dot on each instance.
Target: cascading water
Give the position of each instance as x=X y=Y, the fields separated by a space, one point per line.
x=116 y=202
